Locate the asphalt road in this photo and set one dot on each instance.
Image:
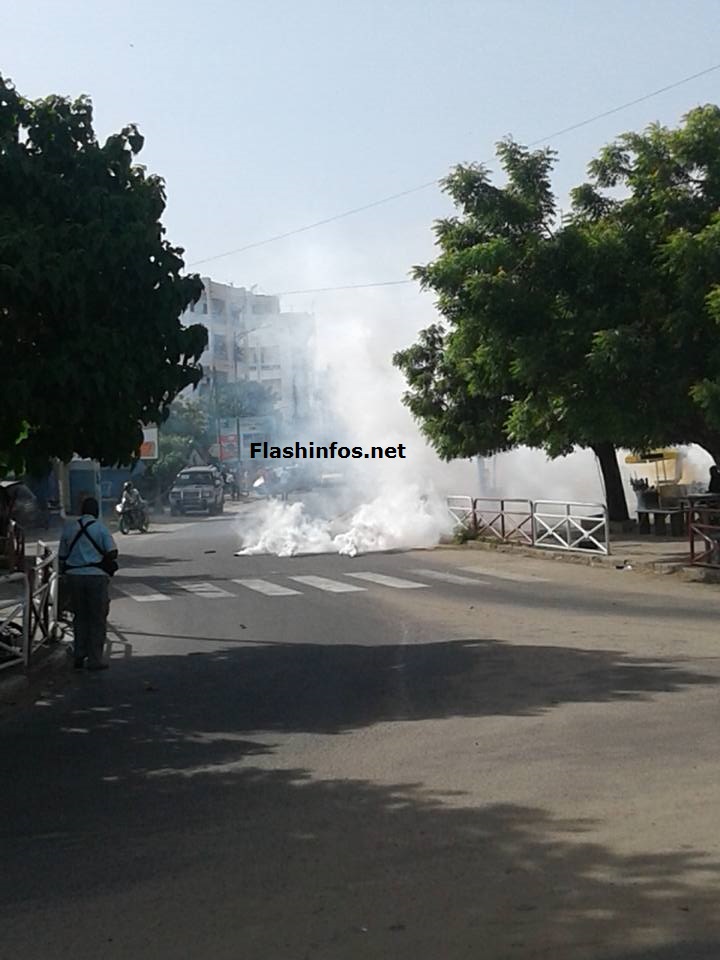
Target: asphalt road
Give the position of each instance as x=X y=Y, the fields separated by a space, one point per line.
x=480 y=757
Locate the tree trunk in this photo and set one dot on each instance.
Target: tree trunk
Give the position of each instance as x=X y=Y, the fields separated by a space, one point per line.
x=614 y=490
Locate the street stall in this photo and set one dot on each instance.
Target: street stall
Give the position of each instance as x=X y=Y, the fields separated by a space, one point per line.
x=663 y=500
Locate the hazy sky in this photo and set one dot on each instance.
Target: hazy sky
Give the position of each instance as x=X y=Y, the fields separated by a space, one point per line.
x=265 y=115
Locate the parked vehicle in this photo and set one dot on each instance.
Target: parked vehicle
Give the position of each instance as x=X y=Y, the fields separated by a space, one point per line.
x=197 y=489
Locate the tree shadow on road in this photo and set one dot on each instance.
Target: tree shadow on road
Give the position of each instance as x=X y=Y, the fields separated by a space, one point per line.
x=330 y=688
x=274 y=864
x=144 y=814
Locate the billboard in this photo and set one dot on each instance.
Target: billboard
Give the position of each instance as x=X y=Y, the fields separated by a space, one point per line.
x=149 y=447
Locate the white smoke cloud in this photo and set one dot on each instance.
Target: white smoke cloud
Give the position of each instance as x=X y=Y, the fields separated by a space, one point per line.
x=398 y=517
x=394 y=503
x=378 y=504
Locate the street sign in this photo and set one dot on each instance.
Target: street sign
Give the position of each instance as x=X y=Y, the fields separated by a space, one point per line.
x=149 y=447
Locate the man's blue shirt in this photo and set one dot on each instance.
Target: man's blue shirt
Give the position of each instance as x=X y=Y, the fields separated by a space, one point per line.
x=84 y=556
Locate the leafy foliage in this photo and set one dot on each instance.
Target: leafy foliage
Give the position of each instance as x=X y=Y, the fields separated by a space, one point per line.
x=596 y=330
x=90 y=290
x=246 y=398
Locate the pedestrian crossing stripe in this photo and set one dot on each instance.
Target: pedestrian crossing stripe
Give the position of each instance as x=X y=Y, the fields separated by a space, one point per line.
x=141 y=592
x=268 y=588
x=208 y=590
x=397 y=582
x=330 y=586
x=205 y=589
x=448 y=577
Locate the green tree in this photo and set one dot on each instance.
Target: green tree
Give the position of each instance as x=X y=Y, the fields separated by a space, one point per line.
x=509 y=367
x=188 y=418
x=245 y=398
x=90 y=290
x=659 y=192
x=596 y=331
x=187 y=427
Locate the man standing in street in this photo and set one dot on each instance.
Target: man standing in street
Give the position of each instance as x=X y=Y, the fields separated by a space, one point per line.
x=87 y=557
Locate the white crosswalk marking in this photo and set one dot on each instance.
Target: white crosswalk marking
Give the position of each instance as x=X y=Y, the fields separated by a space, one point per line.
x=268 y=588
x=385 y=581
x=447 y=577
x=331 y=586
x=502 y=575
x=140 y=592
x=205 y=589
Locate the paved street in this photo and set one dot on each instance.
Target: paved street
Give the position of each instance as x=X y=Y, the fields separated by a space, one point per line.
x=430 y=754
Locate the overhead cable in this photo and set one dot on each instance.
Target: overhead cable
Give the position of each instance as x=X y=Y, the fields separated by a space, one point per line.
x=430 y=183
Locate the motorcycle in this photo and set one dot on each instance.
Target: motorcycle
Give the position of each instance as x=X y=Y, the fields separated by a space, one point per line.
x=132 y=517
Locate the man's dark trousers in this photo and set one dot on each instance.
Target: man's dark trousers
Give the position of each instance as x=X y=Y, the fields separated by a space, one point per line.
x=90 y=602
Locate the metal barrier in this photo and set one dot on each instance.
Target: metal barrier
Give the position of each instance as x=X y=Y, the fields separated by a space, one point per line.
x=554 y=524
x=503 y=520
x=29 y=619
x=40 y=623
x=12 y=620
x=572 y=527
x=704 y=528
x=462 y=510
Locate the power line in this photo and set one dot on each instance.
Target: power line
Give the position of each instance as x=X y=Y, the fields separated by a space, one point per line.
x=434 y=182
x=317 y=223
x=349 y=286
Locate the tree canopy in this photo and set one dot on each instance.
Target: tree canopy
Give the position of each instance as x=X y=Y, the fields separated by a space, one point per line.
x=591 y=330
x=91 y=292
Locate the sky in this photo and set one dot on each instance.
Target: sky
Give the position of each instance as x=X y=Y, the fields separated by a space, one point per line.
x=267 y=115
x=264 y=116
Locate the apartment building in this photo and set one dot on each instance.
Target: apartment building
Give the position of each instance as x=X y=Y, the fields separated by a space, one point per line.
x=250 y=338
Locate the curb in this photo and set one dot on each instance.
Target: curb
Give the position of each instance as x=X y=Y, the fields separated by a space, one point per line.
x=681 y=569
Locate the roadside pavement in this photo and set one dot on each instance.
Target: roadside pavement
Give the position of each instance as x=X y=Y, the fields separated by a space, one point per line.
x=658 y=555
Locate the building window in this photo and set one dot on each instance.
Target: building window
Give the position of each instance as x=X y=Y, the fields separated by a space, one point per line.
x=218 y=306
x=275 y=387
x=270 y=356
x=264 y=305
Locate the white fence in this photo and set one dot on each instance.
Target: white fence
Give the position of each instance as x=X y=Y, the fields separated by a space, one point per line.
x=550 y=524
x=29 y=608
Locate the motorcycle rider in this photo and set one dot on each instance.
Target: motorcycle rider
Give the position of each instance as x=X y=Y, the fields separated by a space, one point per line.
x=132 y=503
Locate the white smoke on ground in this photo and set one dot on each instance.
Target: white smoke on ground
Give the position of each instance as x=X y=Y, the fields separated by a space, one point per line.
x=377 y=504
x=395 y=519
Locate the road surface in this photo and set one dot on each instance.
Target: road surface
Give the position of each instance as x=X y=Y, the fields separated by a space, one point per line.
x=427 y=755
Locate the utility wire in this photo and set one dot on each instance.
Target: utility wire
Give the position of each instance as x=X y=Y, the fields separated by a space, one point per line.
x=349 y=286
x=434 y=182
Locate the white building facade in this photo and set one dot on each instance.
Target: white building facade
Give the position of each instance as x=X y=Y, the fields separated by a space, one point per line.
x=250 y=338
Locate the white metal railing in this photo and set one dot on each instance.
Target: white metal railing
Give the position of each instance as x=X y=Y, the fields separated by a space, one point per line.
x=505 y=520
x=569 y=525
x=29 y=618
x=12 y=619
x=41 y=622
x=556 y=524
x=462 y=510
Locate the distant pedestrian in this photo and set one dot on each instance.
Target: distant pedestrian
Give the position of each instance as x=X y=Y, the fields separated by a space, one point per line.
x=714 y=486
x=88 y=558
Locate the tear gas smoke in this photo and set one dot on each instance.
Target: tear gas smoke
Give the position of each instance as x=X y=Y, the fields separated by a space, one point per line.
x=390 y=504
x=399 y=517
x=372 y=504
